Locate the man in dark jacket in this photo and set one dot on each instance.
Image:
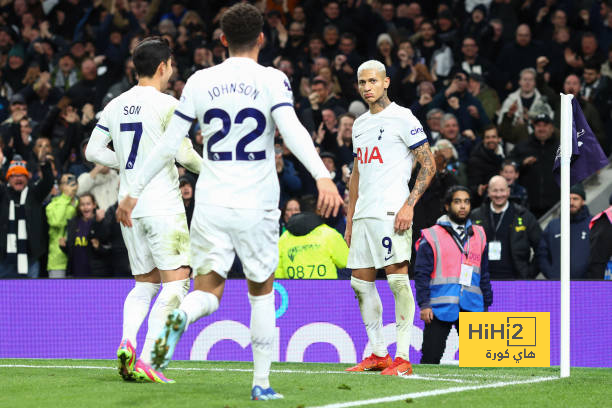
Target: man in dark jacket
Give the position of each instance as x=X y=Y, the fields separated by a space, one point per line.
x=550 y=243
x=485 y=162
x=600 y=264
x=23 y=237
x=536 y=157
x=511 y=232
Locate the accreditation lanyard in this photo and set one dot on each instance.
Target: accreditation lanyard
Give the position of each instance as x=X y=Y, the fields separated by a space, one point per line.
x=501 y=218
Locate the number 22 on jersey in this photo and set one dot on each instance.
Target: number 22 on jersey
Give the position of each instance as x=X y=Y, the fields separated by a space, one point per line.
x=241 y=116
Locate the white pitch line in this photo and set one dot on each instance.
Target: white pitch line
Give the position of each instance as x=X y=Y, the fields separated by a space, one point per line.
x=246 y=370
x=433 y=393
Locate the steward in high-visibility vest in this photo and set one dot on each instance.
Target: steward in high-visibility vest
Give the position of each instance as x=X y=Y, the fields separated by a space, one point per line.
x=309 y=249
x=451 y=272
x=600 y=264
x=447 y=295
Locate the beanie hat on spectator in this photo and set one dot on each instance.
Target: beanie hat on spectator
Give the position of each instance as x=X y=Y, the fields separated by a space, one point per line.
x=17 y=51
x=384 y=37
x=16 y=167
x=18 y=99
x=579 y=190
x=357 y=108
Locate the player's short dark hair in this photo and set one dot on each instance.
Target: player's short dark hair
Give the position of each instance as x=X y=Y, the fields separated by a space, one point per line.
x=510 y=162
x=448 y=197
x=149 y=53
x=241 y=25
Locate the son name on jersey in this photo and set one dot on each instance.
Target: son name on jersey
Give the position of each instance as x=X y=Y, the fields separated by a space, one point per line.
x=240 y=88
x=131 y=110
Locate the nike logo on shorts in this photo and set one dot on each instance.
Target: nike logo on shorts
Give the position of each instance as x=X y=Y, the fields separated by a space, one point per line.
x=389 y=257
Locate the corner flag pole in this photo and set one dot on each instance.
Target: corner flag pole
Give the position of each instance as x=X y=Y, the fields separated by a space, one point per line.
x=566 y=155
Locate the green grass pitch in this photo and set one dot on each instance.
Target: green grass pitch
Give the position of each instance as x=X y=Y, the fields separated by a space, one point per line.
x=95 y=383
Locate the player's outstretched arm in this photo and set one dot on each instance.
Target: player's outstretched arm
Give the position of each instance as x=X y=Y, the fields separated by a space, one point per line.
x=424 y=156
x=163 y=152
x=188 y=157
x=353 y=196
x=298 y=140
x=97 y=150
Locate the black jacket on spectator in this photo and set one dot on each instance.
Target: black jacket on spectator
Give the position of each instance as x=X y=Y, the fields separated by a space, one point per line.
x=482 y=165
x=109 y=233
x=523 y=233
x=513 y=58
x=538 y=178
x=34 y=213
x=601 y=250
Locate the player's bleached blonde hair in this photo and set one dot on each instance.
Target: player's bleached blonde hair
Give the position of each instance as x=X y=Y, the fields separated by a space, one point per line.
x=372 y=64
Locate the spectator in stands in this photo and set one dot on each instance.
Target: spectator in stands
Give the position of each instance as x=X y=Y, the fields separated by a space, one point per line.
x=517 y=56
x=309 y=249
x=23 y=240
x=344 y=148
x=451 y=158
x=440 y=293
x=473 y=63
x=571 y=85
x=433 y=119
x=187 y=187
x=291 y=207
x=41 y=97
x=87 y=257
x=129 y=80
x=288 y=179
x=15 y=69
x=91 y=88
x=457 y=100
x=520 y=107
x=549 y=254
x=327 y=131
x=486 y=95
x=512 y=232
x=485 y=162
x=329 y=160
x=463 y=143
x=536 y=156
x=103 y=183
x=109 y=235
x=510 y=171
x=60 y=210
x=321 y=98
x=600 y=264
x=65 y=74
x=606 y=67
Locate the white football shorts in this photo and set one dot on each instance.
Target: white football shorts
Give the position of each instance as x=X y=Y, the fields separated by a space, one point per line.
x=374 y=243
x=218 y=234
x=160 y=241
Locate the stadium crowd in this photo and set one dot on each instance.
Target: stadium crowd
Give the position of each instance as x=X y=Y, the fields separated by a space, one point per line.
x=482 y=76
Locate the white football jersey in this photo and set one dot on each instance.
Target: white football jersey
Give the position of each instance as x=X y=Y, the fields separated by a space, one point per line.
x=136 y=121
x=233 y=103
x=382 y=144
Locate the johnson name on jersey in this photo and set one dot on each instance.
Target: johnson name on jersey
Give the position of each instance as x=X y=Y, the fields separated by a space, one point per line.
x=233 y=103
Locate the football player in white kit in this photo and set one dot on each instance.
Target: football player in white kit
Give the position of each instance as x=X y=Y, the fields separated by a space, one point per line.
x=386 y=141
x=158 y=243
x=238 y=104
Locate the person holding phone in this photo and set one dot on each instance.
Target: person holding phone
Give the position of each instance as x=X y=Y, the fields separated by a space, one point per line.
x=60 y=210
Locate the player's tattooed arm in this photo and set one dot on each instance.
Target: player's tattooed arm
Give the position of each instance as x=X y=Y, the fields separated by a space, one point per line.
x=425 y=158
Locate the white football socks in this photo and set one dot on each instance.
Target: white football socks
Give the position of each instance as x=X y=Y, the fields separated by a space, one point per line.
x=198 y=304
x=371 y=312
x=263 y=323
x=136 y=307
x=404 y=312
x=169 y=298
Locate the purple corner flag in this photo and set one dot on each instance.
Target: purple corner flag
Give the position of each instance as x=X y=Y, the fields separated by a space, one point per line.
x=587 y=155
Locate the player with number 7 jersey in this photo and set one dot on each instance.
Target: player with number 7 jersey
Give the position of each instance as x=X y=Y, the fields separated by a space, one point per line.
x=158 y=245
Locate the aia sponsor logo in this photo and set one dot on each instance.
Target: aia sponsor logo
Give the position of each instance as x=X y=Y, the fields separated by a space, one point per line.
x=366 y=156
